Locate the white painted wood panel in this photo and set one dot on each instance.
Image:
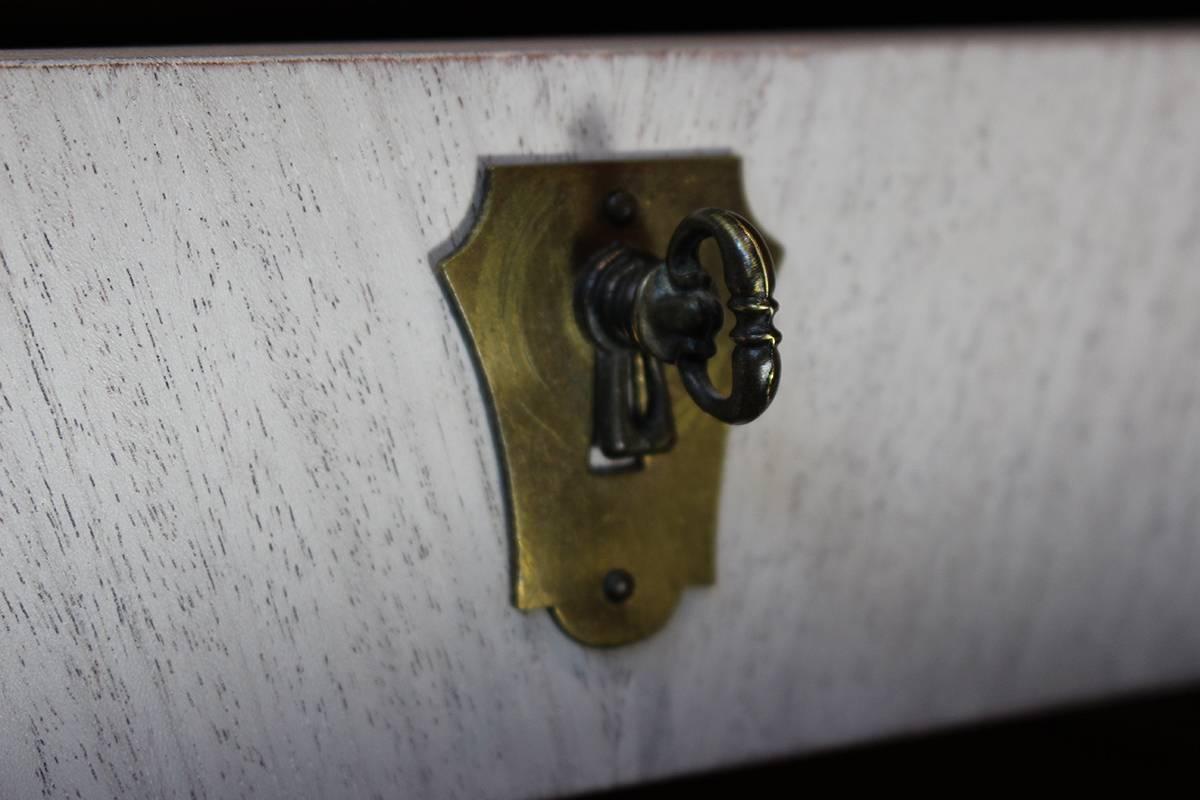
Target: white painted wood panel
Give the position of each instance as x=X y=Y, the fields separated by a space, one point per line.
x=251 y=527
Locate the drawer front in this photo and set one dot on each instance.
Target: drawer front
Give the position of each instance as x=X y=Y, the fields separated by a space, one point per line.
x=253 y=535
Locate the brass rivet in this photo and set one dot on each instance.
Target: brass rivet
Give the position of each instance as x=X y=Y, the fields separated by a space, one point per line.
x=620 y=207
x=618 y=585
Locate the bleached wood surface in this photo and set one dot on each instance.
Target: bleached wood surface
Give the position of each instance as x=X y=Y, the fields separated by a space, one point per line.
x=252 y=538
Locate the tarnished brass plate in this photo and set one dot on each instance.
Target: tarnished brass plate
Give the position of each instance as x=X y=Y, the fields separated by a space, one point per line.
x=514 y=282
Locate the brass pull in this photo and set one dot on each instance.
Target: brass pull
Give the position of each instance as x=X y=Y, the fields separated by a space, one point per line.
x=641 y=311
x=610 y=544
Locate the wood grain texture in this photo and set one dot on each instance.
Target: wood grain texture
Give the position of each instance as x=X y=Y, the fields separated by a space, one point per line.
x=252 y=533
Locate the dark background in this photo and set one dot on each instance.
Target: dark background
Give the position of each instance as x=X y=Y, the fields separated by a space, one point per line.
x=118 y=23
x=1150 y=736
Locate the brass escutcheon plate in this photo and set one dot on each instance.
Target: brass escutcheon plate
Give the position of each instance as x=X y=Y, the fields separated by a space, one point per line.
x=514 y=282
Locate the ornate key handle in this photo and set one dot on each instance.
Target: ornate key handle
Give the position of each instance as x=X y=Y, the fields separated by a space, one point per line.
x=749 y=275
x=635 y=306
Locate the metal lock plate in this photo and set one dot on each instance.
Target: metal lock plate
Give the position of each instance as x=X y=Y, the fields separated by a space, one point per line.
x=608 y=551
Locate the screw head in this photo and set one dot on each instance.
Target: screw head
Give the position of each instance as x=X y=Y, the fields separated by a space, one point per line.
x=618 y=586
x=620 y=207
